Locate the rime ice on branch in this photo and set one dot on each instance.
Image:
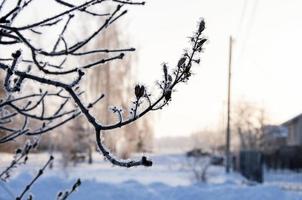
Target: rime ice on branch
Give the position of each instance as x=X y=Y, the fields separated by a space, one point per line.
x=39 y=66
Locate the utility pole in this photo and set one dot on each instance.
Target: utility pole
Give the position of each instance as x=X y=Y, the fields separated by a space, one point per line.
x=228 y=130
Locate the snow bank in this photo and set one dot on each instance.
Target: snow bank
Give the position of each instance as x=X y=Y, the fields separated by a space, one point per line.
x=48 y=187
x=168 y=179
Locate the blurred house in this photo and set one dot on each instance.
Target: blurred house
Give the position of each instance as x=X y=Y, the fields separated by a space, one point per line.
x=294 y=127
x=274 y=138
x=282 y=145
x=288 y=134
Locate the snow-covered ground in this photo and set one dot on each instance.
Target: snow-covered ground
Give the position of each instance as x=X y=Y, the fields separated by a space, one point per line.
x=169 y=178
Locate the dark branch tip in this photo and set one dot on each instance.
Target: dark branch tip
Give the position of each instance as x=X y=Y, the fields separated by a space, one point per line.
x=146 y=162
x=122 y=55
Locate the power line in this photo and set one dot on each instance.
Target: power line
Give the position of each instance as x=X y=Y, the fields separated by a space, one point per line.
x=243 y=11
x=249 y=26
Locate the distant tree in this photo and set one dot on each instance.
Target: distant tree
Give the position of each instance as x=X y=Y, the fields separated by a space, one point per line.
x=8 y=147
x=50 y=66
x=249 y=121
x=76 y=146
x=209 y=139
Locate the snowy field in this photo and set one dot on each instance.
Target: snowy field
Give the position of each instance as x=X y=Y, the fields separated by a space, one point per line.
x=169 y=178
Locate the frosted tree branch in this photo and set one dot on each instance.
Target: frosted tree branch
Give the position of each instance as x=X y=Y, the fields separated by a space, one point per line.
x=38 y=66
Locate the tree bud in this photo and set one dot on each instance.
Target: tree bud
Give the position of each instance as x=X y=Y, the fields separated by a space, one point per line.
x=139 y=91
x=17 y=54
x=181 y=62
x=168 y=95
x=201 y=26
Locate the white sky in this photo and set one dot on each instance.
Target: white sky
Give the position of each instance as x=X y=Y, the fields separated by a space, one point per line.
x=267 y=57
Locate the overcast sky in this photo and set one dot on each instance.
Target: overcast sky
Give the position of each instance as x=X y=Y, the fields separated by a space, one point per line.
x=267 y=57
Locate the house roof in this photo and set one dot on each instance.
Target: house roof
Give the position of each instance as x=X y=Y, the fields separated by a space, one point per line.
x=292 y=120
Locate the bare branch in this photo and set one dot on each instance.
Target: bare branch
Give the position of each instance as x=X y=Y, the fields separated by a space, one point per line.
x=40 y=173
x=56 y=73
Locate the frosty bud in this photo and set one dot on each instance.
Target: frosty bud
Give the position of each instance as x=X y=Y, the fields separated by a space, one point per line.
x=18 y=151
x=136 y=90
x=122 y=55
x=35 y=144
x=170 y=78
x=142 y=91
x=181 y=62
x=146 y=162
x=77 y=184
x=201 y=26
x=81 y=73
x=187 y=70
x=3 y=20
x=201 y=42
x=168 y=95
x=197 y=61
x=25 y=159
x=139 y=91
x=29 y=68
x=60 y=194
x=165 y=69
x=17 y=54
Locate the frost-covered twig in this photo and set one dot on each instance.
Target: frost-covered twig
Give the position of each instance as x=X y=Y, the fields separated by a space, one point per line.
x=40 y=173
x=21 y=157
x=67 y=193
